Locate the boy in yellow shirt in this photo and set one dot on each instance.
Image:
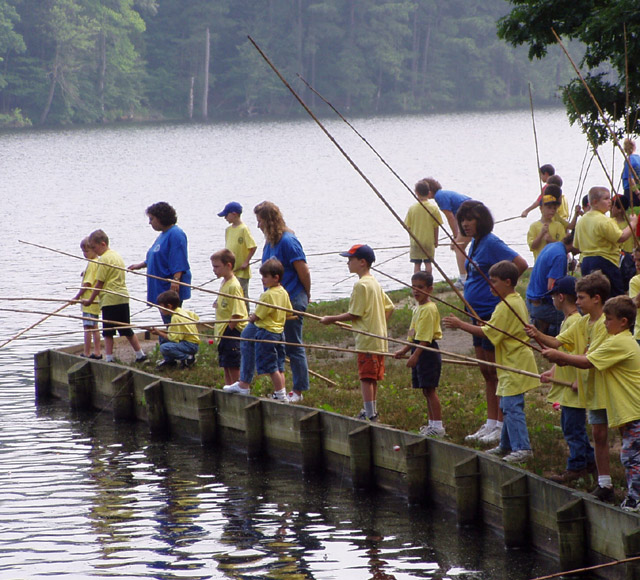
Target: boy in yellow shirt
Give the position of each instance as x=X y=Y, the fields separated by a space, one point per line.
x=369 y=310
x=265 y=324
x=91 y=330
x=238 y=239
x=582 y=338
x=515 y=446
x=546 y=230
x=423 y=220
x=634 y=293
x=182 y=338
x=425 y=365
x=618 y=359
x=114 y=304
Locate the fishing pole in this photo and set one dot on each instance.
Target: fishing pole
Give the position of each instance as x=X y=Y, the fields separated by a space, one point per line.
x=589 y=569
x=47 y=316
x=535 y=138
x=381 y=263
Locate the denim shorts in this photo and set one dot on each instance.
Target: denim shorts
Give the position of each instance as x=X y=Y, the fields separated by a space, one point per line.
x=482 y=341
x=269 y=356
x=598 y=417
x=93 y=323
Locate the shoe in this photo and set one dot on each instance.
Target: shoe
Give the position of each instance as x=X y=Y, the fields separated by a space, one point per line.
x=141 y=359
x=459 y=284
x=519 y=456
x=479 y=433
x=362 y=415
x=280 y=395
x=235 y=388
x=95 y=357
x=630 y=505
x=569 y=475
x=499 y=451
x=491 y=435
x=165 y=364
x=604 y=494
x=294 y=397
x=188 y=362
x=431 y=431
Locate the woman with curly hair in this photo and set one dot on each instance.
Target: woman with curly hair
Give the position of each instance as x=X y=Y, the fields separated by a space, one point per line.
x=167 y=257
x=281 y=243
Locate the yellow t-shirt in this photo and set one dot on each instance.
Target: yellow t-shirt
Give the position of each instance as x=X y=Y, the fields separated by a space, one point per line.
x=563 y=210
x=425 y=323
x=634 y=290
x=185 y=328
x=239 y=240
x=230 y=307
x=628 y=245
x=423 y=227
x=273 y=319
x=566 y=396
x=113 y=279
x=597 y=235
x=581 y=338
x=618 y=360
x=370 y=304
x=556 y=231
x=510 y=352
x=89 y=277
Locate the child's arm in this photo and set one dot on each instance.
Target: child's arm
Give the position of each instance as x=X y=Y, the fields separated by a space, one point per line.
x=245 y=264
x=564 y=358
x=96 y=290
x=626 y=233
x=139 y=266
x=344 y=317
x=544 y=232
x=415 y=355
x=159 y=332
x=533 y=206
x=82 y=290
x=545 y=339
x=452 y=321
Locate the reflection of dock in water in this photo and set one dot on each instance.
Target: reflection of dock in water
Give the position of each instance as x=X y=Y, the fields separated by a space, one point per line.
x=530 y=510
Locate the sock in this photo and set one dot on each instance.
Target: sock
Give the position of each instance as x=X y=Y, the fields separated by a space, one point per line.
x=491 y=423
x=109 y=358
x=370 y=408
x=436 y=424
x=499 y=425
x=605 y=481
x=139 y=353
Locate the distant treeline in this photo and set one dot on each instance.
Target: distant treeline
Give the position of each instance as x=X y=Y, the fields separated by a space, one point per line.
x=87 y=61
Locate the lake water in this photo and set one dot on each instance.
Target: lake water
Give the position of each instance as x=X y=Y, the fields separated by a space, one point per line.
x=81 y=497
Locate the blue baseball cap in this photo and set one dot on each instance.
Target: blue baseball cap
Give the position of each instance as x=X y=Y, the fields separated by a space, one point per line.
x=231 y=207
x=361 y=252
x=564 y=285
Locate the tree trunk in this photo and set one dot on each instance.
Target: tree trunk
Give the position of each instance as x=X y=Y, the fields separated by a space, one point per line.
x=102 y=70
x=205 y=92
x=190 y=106
x=52 y=87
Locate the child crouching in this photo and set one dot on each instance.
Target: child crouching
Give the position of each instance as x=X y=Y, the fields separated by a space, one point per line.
x=182 y=338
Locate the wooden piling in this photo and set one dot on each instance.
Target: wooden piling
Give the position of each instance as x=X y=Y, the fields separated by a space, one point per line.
x=42 y=372
x=417 y=459
x=81 y=385
x=123 y=407
x=515 y=512
x=572 y=537
x=467 y=483
x=207 y=418
x=156 y=412
x=310 y=427
x=360 y=457
x=631 y=545
x=254 y=429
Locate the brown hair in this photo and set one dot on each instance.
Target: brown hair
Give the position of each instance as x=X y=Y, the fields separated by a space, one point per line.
x=427 y=185
x=629 y=146
x=594 y=284
x=226 y=256
x=170 y=297
x=505 y=270
x=621 y=307
x=98 y=236
x=597 y=193
x=273 y=225
x=272 y=267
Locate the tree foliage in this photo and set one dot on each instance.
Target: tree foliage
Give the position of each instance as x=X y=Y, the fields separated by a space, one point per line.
x=610 y=32
x=71 y=61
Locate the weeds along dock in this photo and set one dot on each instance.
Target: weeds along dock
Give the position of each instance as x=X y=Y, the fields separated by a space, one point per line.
x=529 y=510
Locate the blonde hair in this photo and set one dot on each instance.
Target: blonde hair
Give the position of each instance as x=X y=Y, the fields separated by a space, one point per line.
x=629 y=146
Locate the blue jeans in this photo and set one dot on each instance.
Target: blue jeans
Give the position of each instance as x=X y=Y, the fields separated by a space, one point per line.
x=248 y=354
x=166 y=318
x=545 y=312
x=514 y=436
x=297 y=354
x=574 y=428
x=630 y=457
x=593 y=263
x=178 y=350
x=269 y=356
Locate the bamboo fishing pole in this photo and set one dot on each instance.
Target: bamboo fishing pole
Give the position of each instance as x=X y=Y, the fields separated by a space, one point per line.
x=588 y=569
x=381 y=263
x=46 y=317
x=535 y=138
x=480 y=320
x=379 y=195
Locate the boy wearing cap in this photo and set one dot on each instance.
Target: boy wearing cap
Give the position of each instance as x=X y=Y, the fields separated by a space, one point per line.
x=239 y=240
x=423 y=220
x=369 y=310
x=546 y=230
x=572 y=402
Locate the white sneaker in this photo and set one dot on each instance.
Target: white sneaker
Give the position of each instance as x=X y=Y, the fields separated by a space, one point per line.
x=499 y=451
x=491 y=435
x=294 y=397
x=459 y=284
x=280 y=395
x=431 y=431
x=518 y=456
x=479 y=433
x=235 y=388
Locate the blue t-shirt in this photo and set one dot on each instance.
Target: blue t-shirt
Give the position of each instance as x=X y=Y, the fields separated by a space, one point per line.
x=484 y=252
x=551 y=263
x=450 y=200
x=288 y=250
x=167 y=256
x=635 y=163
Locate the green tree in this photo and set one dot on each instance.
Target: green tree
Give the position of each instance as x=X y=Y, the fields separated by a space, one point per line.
x=607 y=29
x=11 y=42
